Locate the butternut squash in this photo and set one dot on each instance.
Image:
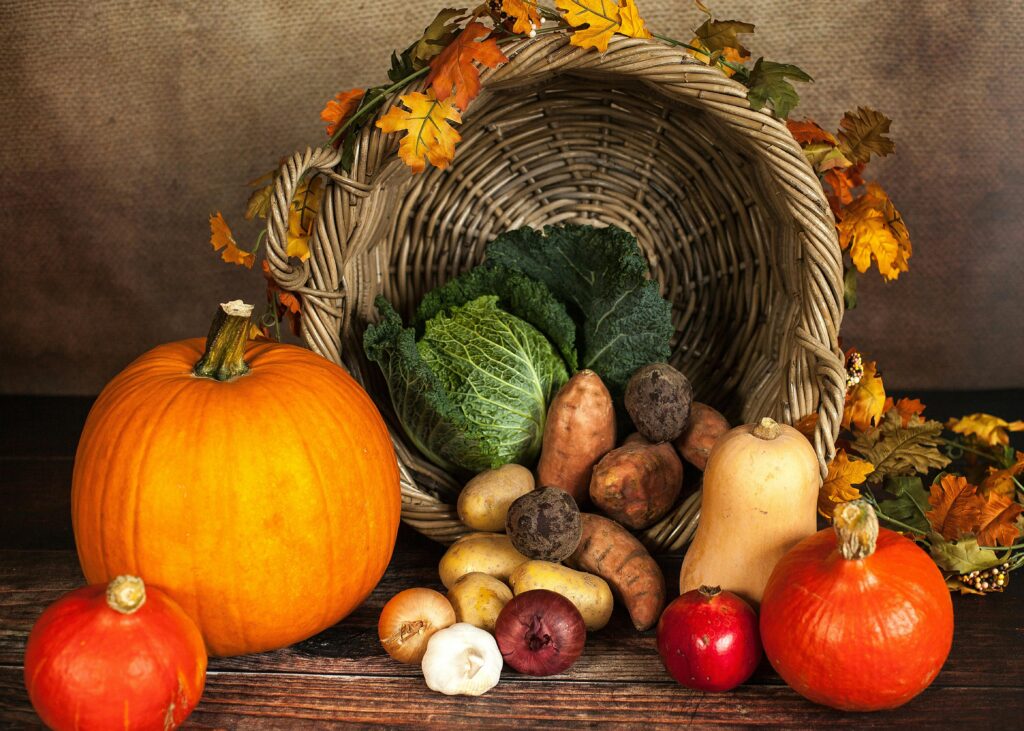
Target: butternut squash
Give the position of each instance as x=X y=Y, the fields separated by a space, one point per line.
x=760 y=495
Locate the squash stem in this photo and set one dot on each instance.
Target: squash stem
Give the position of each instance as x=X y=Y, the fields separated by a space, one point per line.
x=767 y=429
x=224 y=357
x=125 y=594
x=856 y=527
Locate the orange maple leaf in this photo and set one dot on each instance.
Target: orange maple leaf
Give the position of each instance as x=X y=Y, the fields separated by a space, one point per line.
x=838 y=487
x=807 y=425
x=524 y=14
x=865 y=402
x=871 y=228
x=956 y=507
x=429 y=136
x=997 y=523
x=1001 y=481
x=906 y=408
x=221 y=238
x=340 y=108
x=452 y=71
x=808 y=132
x=842 y=182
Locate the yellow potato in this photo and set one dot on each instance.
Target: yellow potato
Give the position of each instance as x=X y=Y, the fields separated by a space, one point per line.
x=483 y=502
x=591 y=594
x=488 y=553
x=478 y=599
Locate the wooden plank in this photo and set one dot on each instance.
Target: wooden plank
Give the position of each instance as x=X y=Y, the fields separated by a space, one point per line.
x=285 y=701
x=987 y=629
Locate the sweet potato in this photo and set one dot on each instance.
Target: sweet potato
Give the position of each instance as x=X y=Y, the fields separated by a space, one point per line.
x=580 y=429
x=613 y=553
x=704 y=428
x=637 y=483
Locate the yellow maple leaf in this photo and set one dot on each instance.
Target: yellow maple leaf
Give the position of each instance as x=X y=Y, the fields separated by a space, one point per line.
x=596 y=21
x=302 y=217
x=987 y=429
x=838 y=487
x=709 y=58
x=524 y=15
x=871 y=228
x=223 y=241
x=429 y=134
x=865 y=401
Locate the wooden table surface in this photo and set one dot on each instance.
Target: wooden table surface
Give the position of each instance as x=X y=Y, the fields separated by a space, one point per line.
x=342 y=675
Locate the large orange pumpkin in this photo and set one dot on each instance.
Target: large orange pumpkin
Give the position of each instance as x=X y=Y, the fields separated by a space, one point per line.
x=254 y=482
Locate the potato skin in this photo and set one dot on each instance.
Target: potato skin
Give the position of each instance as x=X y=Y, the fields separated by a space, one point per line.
x=483 y=502
x=658 y=400
x=613 y=553
x=637 y=483
x=478 y=599
x=591 y=594
x=488 y=553
x=580 y=429
x=704 y=428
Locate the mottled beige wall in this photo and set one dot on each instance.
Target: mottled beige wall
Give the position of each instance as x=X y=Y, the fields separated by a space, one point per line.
x=123 y=125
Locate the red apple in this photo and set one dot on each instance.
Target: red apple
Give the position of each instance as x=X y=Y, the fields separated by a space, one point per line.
x=708 y=639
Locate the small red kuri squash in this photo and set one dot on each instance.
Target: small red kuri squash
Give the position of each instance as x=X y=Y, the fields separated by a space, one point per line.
x=253 y=481
x=858 y=618
x=118 y=656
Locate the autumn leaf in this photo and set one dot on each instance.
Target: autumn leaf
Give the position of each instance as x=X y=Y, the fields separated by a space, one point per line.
x=842 y=182
x=838 y=487
x=222 y=240
x=259 y=332
x=596 y=21
x=987 y=429
x=429 y=136
x=452 y=72
x=302 y=215
x=710 y=58
x=524 y=14
x=769 y=83
x=1000 y=481
x=997 y=522
x=871 y=228
x=807 y=425
x=436 y=36
x=909 y=502
x=962 y=556
x=824 y=157
x=808 y=132
x=956 y=506
x=259 y=202
x=865 y=401
x=897 y=450
x=289 y=301
x=863 y=133
x=340 y=108
x=905 y=407
x=722 y=36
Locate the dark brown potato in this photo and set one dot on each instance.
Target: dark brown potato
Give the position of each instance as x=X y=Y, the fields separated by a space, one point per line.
x=544 y=524
x=658 y=401
x=613 y=553
x=637 y=483
x=704 y=428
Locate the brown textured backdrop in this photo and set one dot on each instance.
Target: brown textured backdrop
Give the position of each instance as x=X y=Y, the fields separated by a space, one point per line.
x=124 y=124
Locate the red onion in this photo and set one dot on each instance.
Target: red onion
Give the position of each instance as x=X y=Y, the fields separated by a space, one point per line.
x=540 y=632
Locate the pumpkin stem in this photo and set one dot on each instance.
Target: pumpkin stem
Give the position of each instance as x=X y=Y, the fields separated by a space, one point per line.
x=125 y=594
x=224 y=357
x=767 y=429
x=856 y=527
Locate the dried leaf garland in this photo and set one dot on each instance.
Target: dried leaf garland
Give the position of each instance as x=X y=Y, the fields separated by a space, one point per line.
x=897 y=450
x=429 y=136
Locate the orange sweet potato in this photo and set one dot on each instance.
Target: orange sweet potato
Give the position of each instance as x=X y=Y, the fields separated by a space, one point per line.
x=580 y=429
x=702 y=431
x=613 y=553
x=637 y=483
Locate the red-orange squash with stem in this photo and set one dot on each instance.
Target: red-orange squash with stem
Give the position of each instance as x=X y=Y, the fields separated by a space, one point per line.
x=254 y=481
x=857 y=618
x=119 y=656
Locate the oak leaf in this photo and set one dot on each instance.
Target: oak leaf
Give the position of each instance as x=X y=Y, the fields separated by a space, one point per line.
x=723 y=35
x=956 y=506
x=809 y=132
x=769 y=83
x=895 y=449
x=863 y=133
x=1001 y=481
x=596 y=21
x=429 y=135
x=909 y=502
x=223 y=241
x=997 y=522
x=905 y=407
x=865 y=401
x=453 y=73
x=838 y=487
x=872 y=228
x=962 y=556
x=436 y=36
x=338 y=110
x=524 y=14
x=987 y=429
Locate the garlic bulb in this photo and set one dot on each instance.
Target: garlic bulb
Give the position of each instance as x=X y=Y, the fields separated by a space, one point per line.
x=462 y=660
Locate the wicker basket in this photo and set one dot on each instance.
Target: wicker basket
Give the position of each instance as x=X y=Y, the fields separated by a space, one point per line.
x=727 y=210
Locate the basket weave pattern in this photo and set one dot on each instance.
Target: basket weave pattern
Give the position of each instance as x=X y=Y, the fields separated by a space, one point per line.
x=729 y=214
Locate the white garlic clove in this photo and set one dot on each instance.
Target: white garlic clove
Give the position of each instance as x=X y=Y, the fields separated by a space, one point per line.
x=462 y=660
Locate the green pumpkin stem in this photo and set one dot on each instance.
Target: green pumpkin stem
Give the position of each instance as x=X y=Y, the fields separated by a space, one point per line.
x=224 y=357
x=856 y=527
x=125 y=594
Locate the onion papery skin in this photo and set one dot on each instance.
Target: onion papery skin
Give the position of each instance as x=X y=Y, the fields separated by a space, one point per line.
x=540 y=633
